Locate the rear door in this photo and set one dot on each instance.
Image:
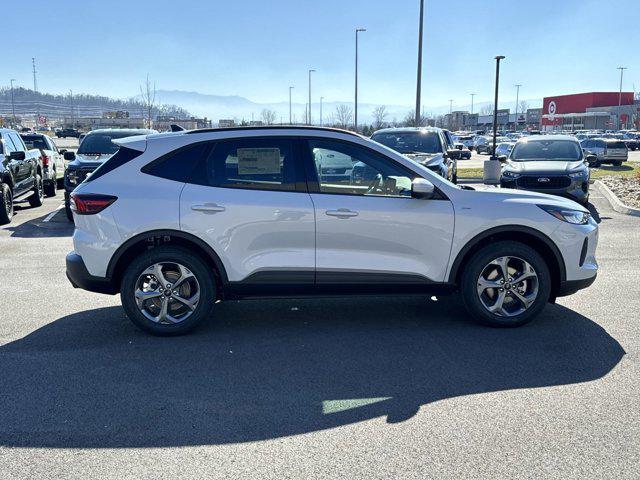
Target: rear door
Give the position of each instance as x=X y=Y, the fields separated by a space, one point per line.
x=248 y=201
x=369 y=230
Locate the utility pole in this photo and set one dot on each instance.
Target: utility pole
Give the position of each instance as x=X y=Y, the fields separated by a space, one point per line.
x=622 y=69
x=13 y=104
x=472 y=95
x=321 y=99
x=495 y=107
x=290 y=88
x=35 y=89
x=355 y=109
x=309 y=109
x=517 y=100
x=450 y=107
x=419 y=80
x=73 y=123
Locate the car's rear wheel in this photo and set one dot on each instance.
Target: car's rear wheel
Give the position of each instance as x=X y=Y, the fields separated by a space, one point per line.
x=506 y=284
x=6 y=204
x=37 y=199
x=167 y=291
x=51 y=188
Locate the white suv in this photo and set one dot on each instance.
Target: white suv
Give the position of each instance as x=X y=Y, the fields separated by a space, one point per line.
x=175 y=222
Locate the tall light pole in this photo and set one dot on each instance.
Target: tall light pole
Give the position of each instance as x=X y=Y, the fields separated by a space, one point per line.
x=450 y=106
x=495 y=107
x=321 y=99
x=622 y=69
x=309 y=109
x=518 y=85
x=13 y=103
x=290 y=88
x=419 y=80
x=355 y=109
x=472 y=95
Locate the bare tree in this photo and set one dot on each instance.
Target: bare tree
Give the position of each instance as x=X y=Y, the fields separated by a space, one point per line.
x=148 y=94
x=410 y=119
x=344 y=114
x=486 y=109
x=379 y=114
x=523 y=106
x=268 y=116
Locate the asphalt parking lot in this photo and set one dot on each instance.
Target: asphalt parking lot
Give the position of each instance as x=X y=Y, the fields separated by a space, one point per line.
x=331 y=388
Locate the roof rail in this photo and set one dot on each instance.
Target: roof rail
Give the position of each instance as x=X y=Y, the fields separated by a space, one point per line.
x=272 y=127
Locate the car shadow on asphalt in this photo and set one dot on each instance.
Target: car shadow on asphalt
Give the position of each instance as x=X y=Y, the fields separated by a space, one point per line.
x=56 y=226
x=270 y=369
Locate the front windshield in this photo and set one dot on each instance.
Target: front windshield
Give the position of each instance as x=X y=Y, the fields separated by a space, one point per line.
x=540 y=150
x=410 y=142
x=100 y=143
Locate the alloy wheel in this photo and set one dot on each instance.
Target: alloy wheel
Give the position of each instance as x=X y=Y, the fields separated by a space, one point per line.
x=507 y=286
x=8 y=202
x=167 y=293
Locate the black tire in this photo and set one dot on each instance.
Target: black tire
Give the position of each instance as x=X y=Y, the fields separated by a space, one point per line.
x=6 y=204
x=169 y=254
x=67 y=207
x=37 y=198
x=51 y=187
x=454 y=177
x=475 y=267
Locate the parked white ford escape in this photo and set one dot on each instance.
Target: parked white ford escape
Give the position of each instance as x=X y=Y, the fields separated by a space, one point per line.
x=178 y=221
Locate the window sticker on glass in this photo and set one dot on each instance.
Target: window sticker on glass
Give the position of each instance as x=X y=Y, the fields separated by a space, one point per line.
x=253 y=161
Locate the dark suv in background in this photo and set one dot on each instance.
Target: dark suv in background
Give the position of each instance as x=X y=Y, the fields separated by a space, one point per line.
x=554 y=164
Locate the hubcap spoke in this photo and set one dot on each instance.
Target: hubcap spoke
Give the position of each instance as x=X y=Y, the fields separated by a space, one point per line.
x=528 y=272
x=190 y=303
x=185 y=274
x=498 y=306
x=525 y=300
x=141 y=296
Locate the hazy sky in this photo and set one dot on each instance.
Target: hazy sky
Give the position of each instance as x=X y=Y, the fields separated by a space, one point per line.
x=256 y=49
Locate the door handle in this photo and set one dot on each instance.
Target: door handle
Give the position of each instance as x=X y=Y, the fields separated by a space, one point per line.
x=208 y=208
x=341 y=213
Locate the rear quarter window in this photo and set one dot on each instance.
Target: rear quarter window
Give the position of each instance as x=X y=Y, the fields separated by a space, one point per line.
x=179 y=164
x=122 y=156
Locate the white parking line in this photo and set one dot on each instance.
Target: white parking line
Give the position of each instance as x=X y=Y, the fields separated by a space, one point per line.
x=52 y=214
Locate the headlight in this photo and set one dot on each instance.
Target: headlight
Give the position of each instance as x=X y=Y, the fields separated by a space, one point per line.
x=579 y=174
x=72 y=177
x=576 y=217
x=510 y=174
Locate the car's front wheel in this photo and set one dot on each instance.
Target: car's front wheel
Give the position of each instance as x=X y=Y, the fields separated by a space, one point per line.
x=6 y=204
x=506 y=284
x=37 y=198
x=167 y=291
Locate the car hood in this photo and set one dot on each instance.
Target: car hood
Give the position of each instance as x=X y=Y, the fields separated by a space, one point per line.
x=543 y=166
x=508 y=195
x=83 y=160
x=425 y=159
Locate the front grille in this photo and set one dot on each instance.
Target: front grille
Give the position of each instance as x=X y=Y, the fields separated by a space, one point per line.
x=550 y=182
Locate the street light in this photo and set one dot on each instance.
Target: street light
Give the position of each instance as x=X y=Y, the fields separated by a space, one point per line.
x=309 y=109
x=517 y=99
x=13 y=104
x=321 y=99
x=495 y=107
x=450 y=106
x=622 y=69
x=290 y=88
x=419 y=80
x=472 y=95
x=355 y=109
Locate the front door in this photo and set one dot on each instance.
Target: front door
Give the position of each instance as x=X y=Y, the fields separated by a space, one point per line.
x=369 y=230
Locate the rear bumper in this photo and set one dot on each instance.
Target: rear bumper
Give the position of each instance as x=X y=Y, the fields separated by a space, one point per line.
x=80 y=277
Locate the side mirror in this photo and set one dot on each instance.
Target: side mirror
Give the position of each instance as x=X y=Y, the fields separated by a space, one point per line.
x=422 y=188
x=68 y=155
x=454 y=154
x=62 y=151
x=591 y=159
x=17 y=155
x=502 y=158
x=459 y=147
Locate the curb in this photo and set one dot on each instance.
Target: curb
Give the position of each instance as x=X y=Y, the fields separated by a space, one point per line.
x=615 y=202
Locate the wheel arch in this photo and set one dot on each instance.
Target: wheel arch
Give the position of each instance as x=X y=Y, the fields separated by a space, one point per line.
x=527 y=235
x=155 y=238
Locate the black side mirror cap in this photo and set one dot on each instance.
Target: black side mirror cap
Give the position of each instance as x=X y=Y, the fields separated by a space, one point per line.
x=502 y=158
x=17 y=155
x=591 y=159
x=454 y=154
x=62 y=151
x=68 y=155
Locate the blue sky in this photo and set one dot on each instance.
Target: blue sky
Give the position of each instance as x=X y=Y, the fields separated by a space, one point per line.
x=256 y=49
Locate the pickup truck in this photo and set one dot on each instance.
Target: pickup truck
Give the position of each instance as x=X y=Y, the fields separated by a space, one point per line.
x=52 y=160
x=20 y=174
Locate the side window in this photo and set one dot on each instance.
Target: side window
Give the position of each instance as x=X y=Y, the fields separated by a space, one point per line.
x=179 y=164
x=251 y=163
x=17 y=142
x=347 y=168
x=8 y=143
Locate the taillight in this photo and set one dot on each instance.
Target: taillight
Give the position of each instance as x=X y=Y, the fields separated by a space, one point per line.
x=90 y=204
x=45 y=160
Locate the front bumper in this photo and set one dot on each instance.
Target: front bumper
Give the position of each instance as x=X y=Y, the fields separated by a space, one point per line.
x=569 y=287
x=80 y=277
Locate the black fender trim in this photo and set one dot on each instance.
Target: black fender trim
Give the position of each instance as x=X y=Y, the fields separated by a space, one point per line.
x=111 y=269
x=453 y=272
